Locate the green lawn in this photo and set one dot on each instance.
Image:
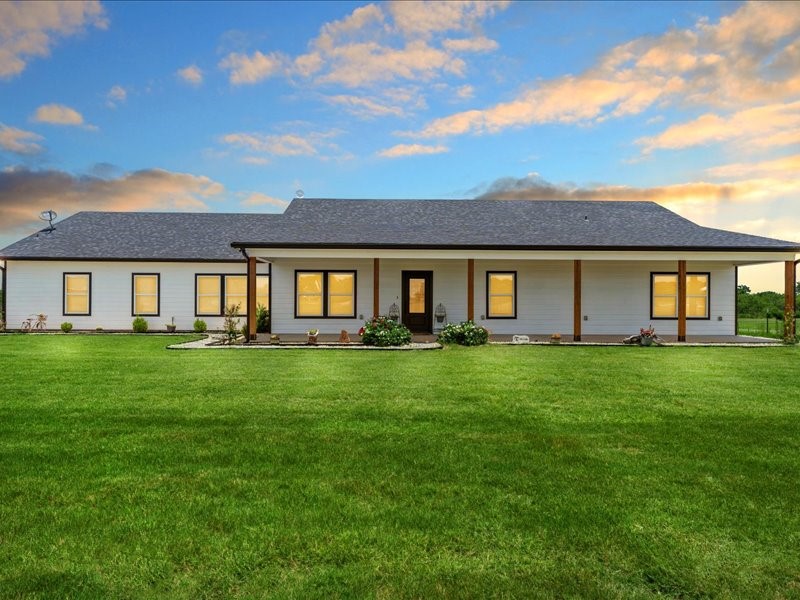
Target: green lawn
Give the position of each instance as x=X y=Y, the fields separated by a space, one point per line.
x=130 y=471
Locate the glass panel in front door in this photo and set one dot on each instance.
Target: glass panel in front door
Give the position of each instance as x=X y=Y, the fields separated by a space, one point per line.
x=416 y=296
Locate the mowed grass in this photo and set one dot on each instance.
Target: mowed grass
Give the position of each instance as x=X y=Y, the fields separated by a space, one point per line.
x=758 y=327
x=131 y=471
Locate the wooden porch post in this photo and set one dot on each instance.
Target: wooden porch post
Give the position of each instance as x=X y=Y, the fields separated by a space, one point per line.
x=576 y=301
x=681 y=300
x=376 y=275
x=251 y=297
x=789 y=300
x=470 y=289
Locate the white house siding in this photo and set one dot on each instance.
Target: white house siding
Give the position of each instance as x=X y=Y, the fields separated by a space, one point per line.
x=37 y=287
x=616 y=298
x=544 y=296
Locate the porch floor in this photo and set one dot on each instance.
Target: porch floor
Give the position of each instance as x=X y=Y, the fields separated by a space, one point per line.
x=567 y=339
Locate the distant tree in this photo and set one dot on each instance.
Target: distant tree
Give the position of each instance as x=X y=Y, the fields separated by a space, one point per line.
x=742 y=289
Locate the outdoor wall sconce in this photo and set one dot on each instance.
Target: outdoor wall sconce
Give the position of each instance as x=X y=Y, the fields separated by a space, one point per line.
x=440 y=313
x=394 y=312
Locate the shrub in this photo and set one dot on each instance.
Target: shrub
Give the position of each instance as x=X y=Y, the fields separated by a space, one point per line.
x=200 y=326
x=262 y=319
x=465 y=333
x=139 y=325
x=231 y=324
x=66 y=327
x=383 y=331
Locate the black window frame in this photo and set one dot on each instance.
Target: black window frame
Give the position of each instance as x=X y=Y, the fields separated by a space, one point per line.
x=488 y=277
x=64 y=294
x=675 y=318
x=222 y=277
x=325 y=296
x=158 y=295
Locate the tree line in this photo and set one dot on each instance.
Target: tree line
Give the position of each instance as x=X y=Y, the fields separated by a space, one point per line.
x=762 y=304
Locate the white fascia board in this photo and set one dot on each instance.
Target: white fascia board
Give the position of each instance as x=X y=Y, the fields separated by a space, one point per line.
x=738 y=258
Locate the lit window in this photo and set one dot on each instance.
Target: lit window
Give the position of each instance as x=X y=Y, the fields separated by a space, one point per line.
x=209 y=294
x=262 y=291
x=236 y=292
x=326 y=294
x=665 y=295
x=309 y=295
x=145 y=294
x=341 y=299
x=77 y=293
x=501 y=292
x=216 y=292
x=697 y=296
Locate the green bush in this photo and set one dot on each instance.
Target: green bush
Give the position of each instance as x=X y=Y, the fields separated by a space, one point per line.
x=383 y=331
x=66 y=327
x=262 y=319
x=140 y=325
x=465 y=333
x=231 y=325
x=200 y=326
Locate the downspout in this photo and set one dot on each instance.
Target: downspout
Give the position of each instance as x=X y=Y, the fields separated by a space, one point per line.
x=5 y=292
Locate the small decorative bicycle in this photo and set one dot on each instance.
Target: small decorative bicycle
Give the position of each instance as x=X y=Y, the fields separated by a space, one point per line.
x=34 y=323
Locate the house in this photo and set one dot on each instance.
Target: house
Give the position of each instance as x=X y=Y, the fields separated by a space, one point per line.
x=516 y=267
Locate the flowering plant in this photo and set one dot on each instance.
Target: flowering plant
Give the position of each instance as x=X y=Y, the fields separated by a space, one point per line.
x=649 y=332
x=466 y=333
x=313 y=331
x=383 y=331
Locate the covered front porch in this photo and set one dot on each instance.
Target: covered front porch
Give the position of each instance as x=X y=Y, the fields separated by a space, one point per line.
x=591 y=297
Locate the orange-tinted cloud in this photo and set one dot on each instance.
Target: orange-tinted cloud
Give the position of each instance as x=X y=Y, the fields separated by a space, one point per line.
x=751 y=56
x=770 y=125
x=29 y=29
x=19 y=141
x=402 y=150
x=24 y=193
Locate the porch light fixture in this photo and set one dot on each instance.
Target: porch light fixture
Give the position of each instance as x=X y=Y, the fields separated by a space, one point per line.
x=440 y=313
x=394 y=312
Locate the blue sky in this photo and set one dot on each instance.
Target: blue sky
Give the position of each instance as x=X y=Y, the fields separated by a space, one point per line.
x=234 y=106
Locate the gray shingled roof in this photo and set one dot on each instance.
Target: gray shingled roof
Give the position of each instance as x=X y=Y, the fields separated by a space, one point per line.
x=143 y=236
x=382 y=223
x=496 y=223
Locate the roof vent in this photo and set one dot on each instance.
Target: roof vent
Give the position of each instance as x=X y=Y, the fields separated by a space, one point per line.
x=49 y=216
x=585 y=218
x=299 y=194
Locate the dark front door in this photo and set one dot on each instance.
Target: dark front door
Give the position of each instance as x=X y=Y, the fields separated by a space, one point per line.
x=418 y=301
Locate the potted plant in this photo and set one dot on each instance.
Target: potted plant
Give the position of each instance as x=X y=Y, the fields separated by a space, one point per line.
x=646 y=336
x=171 y=326
x=312 y=336
x=274 y=339
x=555 y=338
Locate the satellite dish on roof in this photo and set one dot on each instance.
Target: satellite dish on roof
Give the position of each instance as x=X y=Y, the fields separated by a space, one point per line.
x=299 y=194
x=49 y=216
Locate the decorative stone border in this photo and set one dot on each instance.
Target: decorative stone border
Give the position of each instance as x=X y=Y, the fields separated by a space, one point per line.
x=212 y=343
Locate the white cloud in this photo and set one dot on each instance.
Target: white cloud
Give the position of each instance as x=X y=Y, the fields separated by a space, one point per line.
x=116 y=95
x=29 y=29
x=275 y=145
x=251 y=69
x=465 y=92
x=19 y=141
x=258 y=199
x=364 y=107
x=428 y=18
x=403 y=150
x=192 y=74
x=365 y=47
x=58 y=114
x=476 y=44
